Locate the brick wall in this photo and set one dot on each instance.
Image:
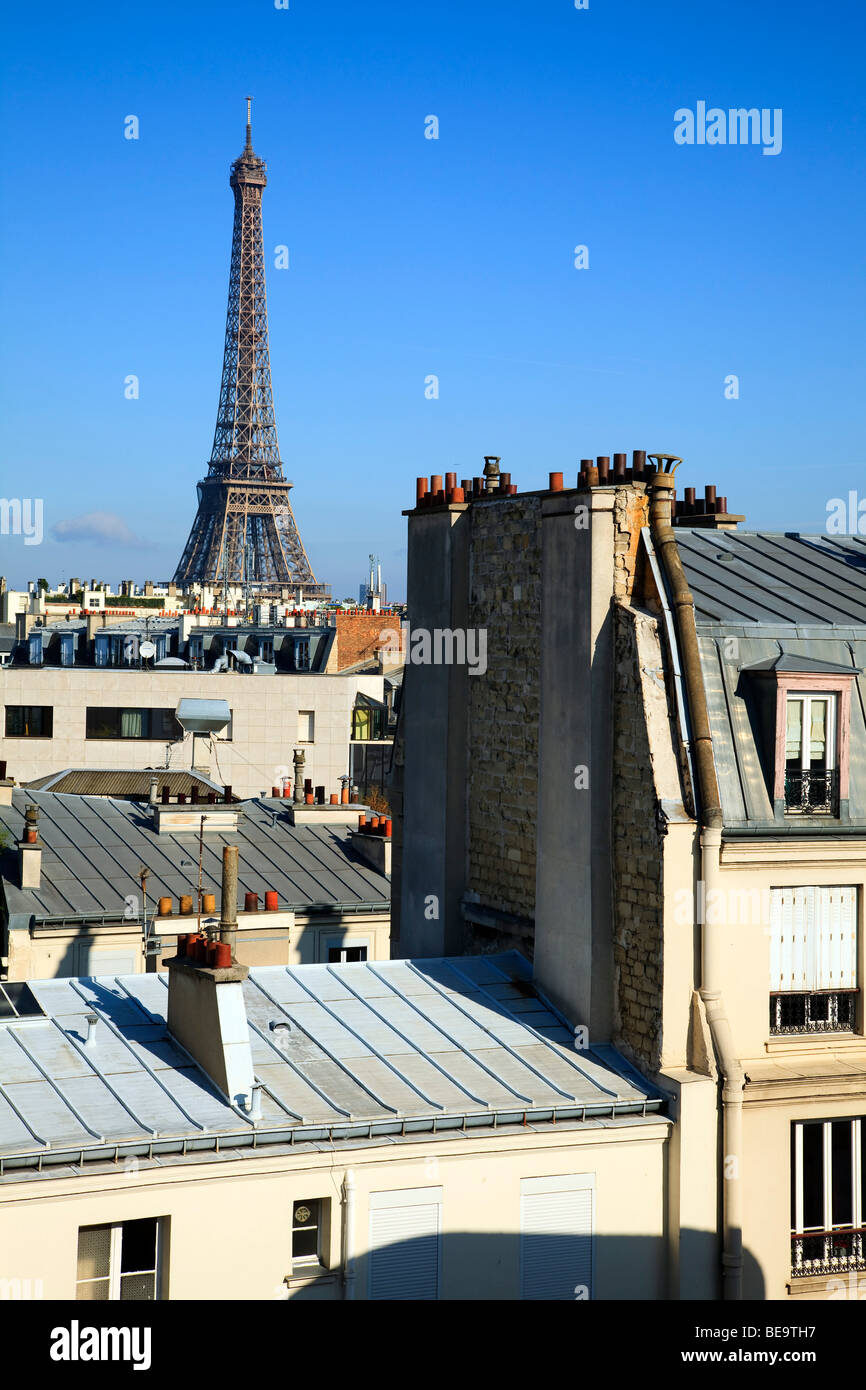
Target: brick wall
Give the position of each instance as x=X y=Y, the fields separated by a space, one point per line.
x=505 y=599
x=637 y=856
x=358 y=637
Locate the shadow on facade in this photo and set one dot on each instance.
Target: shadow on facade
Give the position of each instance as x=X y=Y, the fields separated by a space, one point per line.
x=469 y=1266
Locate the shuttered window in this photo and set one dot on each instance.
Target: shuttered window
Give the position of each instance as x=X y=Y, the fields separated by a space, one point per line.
x=813 y=939
x=405 y=1243
x=556 y=1230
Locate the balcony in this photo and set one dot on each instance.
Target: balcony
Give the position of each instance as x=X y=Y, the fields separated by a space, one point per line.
x=822 y=1011
x=812 y=793
x=828 y=1252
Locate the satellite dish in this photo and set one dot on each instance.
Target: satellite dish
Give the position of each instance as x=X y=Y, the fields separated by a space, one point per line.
x=147 y=649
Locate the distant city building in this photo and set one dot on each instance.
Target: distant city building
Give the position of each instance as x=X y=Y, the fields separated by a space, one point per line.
x=373 y=593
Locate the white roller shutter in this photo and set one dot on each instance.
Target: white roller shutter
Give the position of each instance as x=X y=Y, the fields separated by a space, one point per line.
x=556 y=1230
x=405 y=1243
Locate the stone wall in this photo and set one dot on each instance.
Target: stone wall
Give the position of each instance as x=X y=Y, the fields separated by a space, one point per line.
x=504 y=599
x=637 y=850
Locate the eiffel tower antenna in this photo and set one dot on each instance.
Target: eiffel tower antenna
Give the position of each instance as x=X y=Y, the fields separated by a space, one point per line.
x=244 y=531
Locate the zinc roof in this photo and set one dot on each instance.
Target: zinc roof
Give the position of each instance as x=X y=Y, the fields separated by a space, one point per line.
x=746 y=577
x=389 y=1047
x=94 y=847
x=774 y=603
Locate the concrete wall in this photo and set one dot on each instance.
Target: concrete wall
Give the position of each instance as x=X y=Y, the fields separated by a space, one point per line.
x=229 y=1219
x=264 y=722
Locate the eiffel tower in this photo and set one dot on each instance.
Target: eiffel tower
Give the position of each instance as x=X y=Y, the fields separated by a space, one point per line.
x=244 y=531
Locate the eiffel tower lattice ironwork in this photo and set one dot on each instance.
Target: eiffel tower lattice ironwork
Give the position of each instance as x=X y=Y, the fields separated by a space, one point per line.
x=245 y=532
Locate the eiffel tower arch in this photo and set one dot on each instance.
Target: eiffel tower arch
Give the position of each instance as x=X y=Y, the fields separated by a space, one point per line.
x=245 y=531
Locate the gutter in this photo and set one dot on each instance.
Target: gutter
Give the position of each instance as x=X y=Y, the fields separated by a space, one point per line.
x=43 y=1153
x=710 y=819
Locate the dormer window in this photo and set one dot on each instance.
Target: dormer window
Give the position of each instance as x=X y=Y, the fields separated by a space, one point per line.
x=811 y=772
x=807 y=762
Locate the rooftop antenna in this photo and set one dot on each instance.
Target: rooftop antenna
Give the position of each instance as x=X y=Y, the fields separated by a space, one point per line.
x=249 y=123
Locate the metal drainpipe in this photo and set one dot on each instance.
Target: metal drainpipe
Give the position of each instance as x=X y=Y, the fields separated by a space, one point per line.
x=710 y=812
x=348 y=1228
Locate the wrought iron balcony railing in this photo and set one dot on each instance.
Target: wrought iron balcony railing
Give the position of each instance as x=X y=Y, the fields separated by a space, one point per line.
x=824 y=1011
x=812 y=793
x=828 y=1252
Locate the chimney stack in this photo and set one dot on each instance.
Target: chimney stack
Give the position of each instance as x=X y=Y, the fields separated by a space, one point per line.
x=207 y=1016
x=30 y=850
x=229 y=903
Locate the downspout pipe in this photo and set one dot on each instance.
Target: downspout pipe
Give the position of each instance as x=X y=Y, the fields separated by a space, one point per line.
x=348 y=1241
x=710 y=816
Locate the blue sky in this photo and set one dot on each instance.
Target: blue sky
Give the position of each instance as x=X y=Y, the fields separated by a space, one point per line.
x=412 y=257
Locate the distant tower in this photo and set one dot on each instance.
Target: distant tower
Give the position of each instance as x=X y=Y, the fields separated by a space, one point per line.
x=372 y=593
x=245 y=531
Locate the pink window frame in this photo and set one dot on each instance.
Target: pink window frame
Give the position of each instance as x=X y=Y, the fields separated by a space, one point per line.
x=817 y=684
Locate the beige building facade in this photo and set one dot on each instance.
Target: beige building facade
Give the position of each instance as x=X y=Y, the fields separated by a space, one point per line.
x=668 y=762
x=271 y=716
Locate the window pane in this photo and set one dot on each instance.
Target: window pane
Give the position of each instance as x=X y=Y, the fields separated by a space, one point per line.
x=813 y=1176
x=29 y=721
x=94 y=1251
x=163 y=724
x=818 y=733
x=138 y=1288
x=133 y=723
x=138 y=1250
x=841 y=1142
x=794 y=733
x=305 y=1244
x=102 y=722
x=305 y=1232
x=95 y=1292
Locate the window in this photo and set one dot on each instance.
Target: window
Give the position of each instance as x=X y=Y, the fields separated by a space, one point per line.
x=266 y=649
x=811 y=783
x=813 y=960
x=29 y=721
x=309 y=1231
x=306 y=726
x=341 y=954
x=368 y=721
x=302 y=654
x=556 y=1228
x=119 y=1262
x=109 y=722
x=828 y=1196
x=405 y=1243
